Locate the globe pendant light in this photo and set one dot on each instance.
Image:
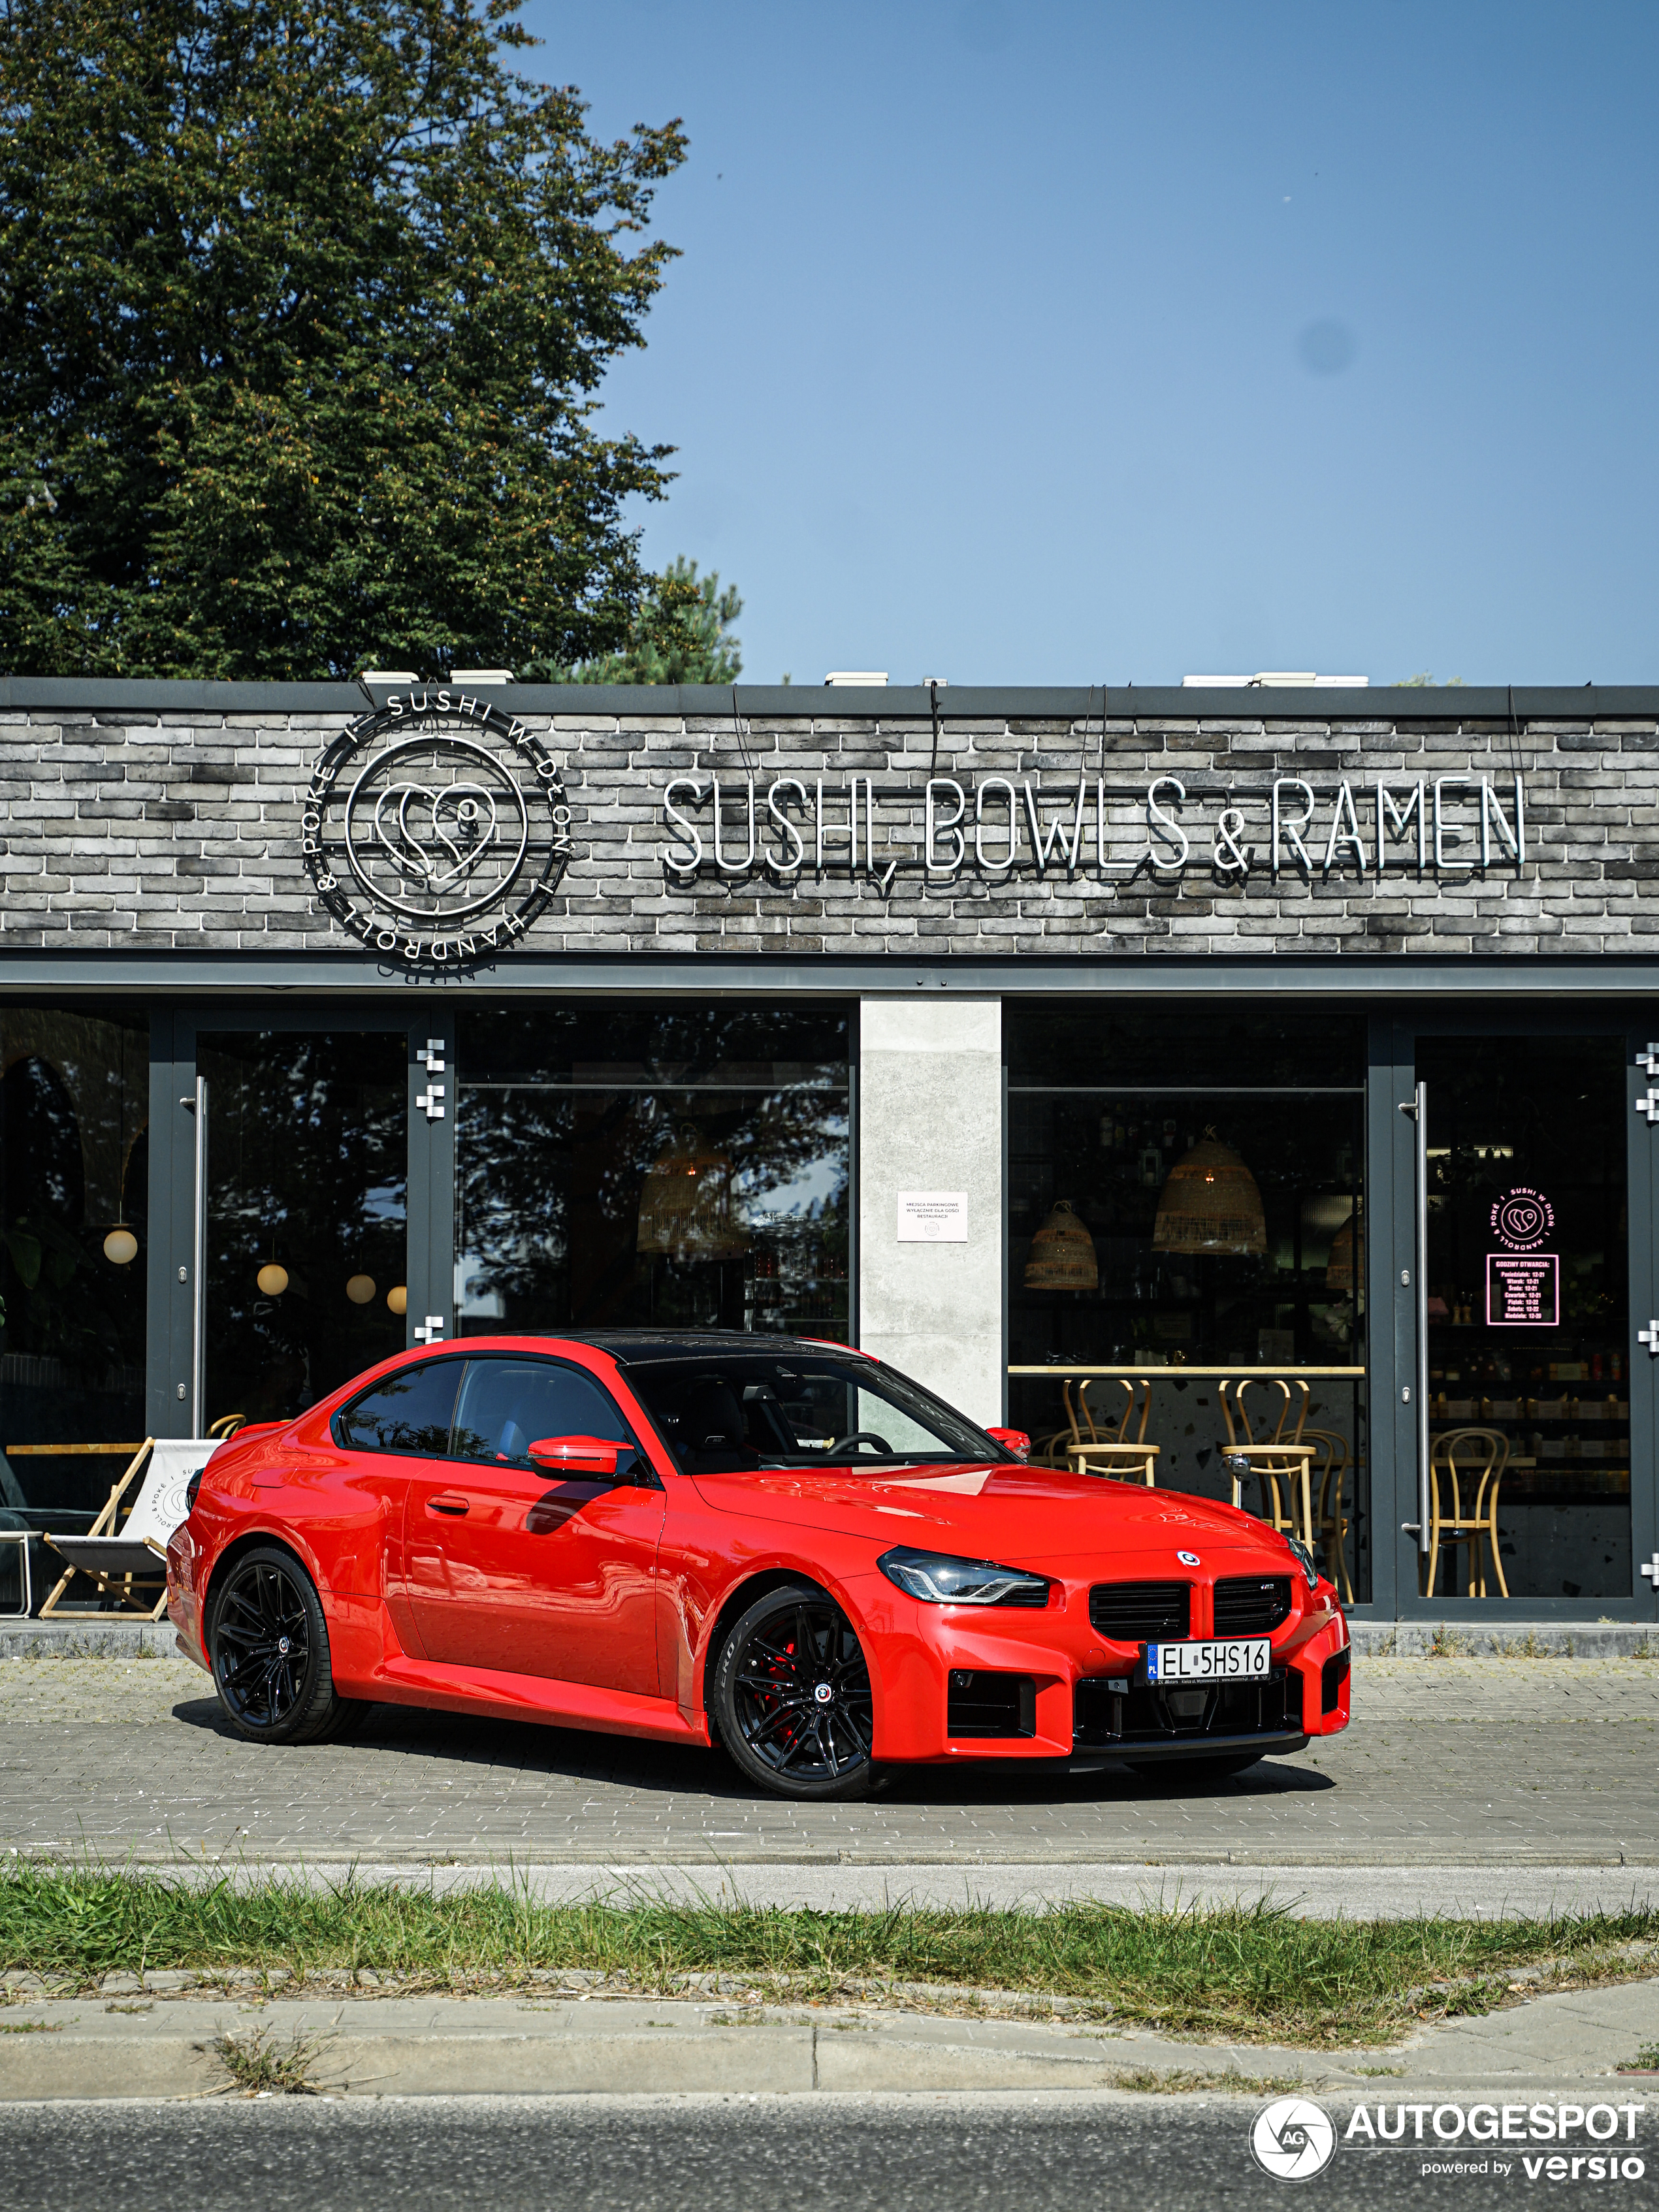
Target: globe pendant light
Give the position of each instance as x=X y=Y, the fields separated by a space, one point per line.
x=120 y=1245
x=272 y=1279
x=1062 y=1256
x=1210 y=1204
x=685 y=1204
x=360 y=1289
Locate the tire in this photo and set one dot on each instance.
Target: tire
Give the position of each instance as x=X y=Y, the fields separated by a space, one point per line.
x=777 y=1729
x=1196 y=1770
x=268 y=1645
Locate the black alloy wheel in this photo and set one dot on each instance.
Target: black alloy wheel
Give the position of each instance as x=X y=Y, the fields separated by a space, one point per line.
x=792 y=1697
x=269 y=1643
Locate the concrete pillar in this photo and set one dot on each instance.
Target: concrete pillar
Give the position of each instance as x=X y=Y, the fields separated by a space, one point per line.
x=930 y=1119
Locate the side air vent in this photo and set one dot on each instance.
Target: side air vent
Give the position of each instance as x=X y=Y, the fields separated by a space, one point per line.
x=1249 y=1605
x=1137 y=1612
x=979 y=1702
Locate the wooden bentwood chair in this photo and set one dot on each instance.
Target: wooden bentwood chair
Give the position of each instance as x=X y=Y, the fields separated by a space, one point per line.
x=1461 y=1461
x=1278 y=1462
x=1117 y=1450
x=1332 y=1502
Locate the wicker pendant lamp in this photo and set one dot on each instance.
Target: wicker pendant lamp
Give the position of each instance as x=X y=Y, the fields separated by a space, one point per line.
x=1210 y=1204
x=685 y=1204
x=1340 y=1268
x=1062 y=1256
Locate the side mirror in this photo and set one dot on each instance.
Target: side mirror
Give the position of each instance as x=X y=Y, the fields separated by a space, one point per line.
x=1014 y=1440
x=577 y=1455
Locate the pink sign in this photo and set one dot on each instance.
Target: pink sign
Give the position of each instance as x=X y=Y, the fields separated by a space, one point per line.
x=1524 y=1290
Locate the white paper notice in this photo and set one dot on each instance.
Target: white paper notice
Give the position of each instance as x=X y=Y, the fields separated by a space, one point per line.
x=932 y=1216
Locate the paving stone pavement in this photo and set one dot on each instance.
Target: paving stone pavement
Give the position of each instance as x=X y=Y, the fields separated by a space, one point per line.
x=1473 y=1762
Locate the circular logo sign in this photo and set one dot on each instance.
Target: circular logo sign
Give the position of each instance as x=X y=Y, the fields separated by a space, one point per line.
x=435 y=830
x=824 y=1693
x=1293 y=2139
x=1189 y=1559
x=1523 y=1217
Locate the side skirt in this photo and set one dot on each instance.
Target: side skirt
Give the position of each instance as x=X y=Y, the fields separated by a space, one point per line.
x=403 y=1681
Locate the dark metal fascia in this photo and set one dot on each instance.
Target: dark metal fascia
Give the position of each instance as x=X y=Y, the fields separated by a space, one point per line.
x=636 y=974
x=117 y=696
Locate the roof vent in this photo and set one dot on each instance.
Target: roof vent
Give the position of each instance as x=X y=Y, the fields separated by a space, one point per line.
x=481 y=675
x=389 y=676
x=864 y=676
x=1271 y=679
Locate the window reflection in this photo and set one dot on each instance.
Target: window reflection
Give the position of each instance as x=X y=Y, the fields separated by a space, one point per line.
x=1186 y=1193
x=307 y=1207
x=670 y=1166
x=74 y=1236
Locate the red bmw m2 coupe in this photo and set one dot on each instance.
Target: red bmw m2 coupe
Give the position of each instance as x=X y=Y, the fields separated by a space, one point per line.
x=782 y=1546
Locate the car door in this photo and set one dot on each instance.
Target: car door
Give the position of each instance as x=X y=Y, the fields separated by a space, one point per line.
x=523 y=1571
x=399 y=1427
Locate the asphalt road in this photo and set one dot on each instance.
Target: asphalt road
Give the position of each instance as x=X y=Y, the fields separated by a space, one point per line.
x=1479 y=1763
x=946 y=2154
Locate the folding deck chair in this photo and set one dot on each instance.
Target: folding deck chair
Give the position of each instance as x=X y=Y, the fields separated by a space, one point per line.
x=129 y=1560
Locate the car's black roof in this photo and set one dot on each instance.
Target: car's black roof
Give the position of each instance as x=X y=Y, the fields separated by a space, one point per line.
x=634 y=1346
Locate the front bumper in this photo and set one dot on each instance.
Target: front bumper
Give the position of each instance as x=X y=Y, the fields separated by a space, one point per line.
x=943 y=1673
x=1259 y=1743
x=1147 y=1722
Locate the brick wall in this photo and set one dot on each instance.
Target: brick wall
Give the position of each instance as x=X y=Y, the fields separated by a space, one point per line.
x=182 y=830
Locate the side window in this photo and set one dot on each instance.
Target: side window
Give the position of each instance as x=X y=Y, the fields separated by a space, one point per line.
x=506 y=1404
x=408 y=1411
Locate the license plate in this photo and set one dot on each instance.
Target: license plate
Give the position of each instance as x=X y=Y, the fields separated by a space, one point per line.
x=1240 y=1659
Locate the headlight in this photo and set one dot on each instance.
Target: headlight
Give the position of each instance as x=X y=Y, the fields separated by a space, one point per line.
x=1305 y=1560
x=938 y=1579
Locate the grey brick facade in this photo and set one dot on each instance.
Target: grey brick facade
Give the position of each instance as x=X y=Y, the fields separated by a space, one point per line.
x=177 y=828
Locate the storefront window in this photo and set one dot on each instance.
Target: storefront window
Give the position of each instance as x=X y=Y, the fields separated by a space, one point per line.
x=74 y=1191
x=1527 y=1305
x=1186 y=1213
x=307 y=1213
x=667 y=1165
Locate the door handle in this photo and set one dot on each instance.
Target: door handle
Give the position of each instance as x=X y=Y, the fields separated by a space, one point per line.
x=448 y=1501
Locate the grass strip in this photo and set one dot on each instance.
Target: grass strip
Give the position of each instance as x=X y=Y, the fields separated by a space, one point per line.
x=1251 y=1972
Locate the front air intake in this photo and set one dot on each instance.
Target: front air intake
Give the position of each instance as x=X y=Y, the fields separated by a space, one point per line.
x=979 y=1702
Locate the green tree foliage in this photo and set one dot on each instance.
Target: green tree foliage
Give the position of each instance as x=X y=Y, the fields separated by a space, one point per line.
x=681 y=634
x=1424 y=681
x=301 y=309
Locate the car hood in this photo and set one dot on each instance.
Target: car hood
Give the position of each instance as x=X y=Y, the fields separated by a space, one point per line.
x=1019 y=1515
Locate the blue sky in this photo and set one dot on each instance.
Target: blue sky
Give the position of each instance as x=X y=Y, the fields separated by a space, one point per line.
x=1068 y=343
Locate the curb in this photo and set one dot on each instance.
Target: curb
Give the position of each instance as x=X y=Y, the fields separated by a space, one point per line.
x=1509 y=1639
x=562 y=2044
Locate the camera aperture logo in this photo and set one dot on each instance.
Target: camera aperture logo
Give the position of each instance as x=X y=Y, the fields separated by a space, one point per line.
x=1293 y=2139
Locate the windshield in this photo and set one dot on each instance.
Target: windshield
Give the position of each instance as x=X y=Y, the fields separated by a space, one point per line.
x=741 y=1410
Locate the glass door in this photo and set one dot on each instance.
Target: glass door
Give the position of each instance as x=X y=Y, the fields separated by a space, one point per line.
x=1524 y=1492
x=303 y=1165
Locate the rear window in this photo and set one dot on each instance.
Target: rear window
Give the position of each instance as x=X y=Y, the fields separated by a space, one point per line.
x=741 y=1410
x=408 y=1411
